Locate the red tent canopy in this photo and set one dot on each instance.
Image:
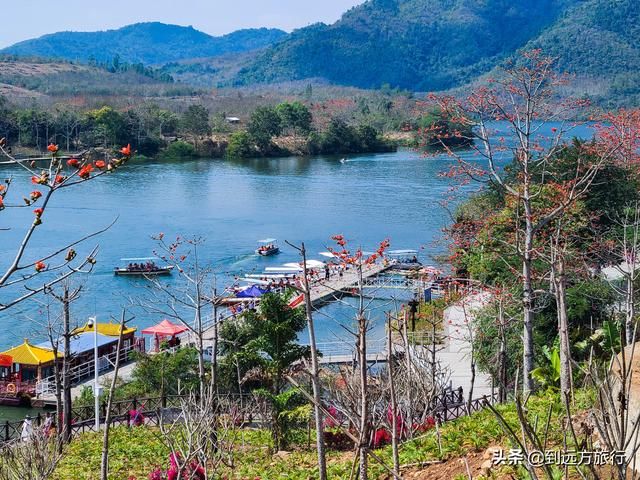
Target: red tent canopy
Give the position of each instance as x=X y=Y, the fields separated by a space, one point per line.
x=6 y=360
x=165 y=327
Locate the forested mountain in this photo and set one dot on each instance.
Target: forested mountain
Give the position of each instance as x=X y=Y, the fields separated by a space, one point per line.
x=419 y=45
x=149 y=43
x=439 y=44
x=415 y=44
x=599 y=41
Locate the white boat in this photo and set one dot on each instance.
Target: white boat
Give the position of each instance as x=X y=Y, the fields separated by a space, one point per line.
x=267 y=247
x=143 y=266
x=404 y=259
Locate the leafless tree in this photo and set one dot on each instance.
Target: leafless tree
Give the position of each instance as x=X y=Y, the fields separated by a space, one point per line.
x=61 y=261
x=314 y=372
x=104 y=460
x=525 y=97
x=623 y=252
x=35 y=458
x=187 y=303
x=201 y=434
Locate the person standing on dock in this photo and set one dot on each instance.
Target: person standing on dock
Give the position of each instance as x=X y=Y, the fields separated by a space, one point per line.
x=327 y=271
x=27 y=429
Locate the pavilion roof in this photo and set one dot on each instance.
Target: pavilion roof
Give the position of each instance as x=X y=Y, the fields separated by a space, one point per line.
x=109 y=329
x=27 y=354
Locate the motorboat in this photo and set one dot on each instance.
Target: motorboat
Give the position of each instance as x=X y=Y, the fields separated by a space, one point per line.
x=267 y=247
x=144 y=266
x=406 y=260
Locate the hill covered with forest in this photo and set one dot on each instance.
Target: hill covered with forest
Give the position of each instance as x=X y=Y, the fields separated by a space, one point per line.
x=430 y=45
x=148 y=43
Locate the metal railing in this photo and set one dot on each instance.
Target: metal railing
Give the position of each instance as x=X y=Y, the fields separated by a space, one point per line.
x=85 y=370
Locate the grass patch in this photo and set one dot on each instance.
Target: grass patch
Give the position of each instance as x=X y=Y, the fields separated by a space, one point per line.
x=136 y=451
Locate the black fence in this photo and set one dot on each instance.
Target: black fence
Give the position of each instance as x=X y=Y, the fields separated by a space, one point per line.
x=253 y=412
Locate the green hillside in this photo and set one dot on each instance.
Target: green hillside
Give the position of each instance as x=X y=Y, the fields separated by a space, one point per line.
x=598 y=40
x=414 y=44
x=149 y=43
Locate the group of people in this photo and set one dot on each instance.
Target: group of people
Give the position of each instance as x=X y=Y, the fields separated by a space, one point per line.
x=141 y=267
x=266 y=248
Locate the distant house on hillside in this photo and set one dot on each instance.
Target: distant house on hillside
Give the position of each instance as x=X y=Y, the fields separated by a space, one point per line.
x=232 y=120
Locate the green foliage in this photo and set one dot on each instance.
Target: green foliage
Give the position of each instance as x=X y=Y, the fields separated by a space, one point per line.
x=340 y=137
x=290 y=411
x=136 y=451
x=295 y=116
x=264 y=124
x=548 y=375
x=605 y=340
x=178 y=150
x=164 y=373
x=195 y=121
x=240 y=145
x=264 y=341
x=423 y=45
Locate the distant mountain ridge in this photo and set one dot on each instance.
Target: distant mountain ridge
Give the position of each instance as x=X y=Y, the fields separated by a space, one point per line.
x=430 y=45
x=148 y=43
x=419 y=45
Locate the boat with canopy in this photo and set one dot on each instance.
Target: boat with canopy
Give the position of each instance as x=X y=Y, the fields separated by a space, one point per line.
x=404 y=259
x=267 y=247
x=142 y=266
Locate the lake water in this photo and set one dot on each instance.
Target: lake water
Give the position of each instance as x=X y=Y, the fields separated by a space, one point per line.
x=231 y=204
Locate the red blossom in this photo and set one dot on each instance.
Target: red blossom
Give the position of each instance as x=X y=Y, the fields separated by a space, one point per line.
x=35 y=195
x=38 y=212
x=1 y=202
x=40 y=266
x=73 y=162
x=100 y=164
x=126 y=151
x=85 y=172
x=60 y=179
x=52 y=148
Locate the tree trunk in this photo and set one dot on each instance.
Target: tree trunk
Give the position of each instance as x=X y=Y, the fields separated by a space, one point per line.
x=104 y=461
x=364 y=393
x=315 y=373
x=394 y=406
x=364 y=404
x=502 y=359
x=559 y=283
x=66 y=367
x=629 y=325
x=527 y=304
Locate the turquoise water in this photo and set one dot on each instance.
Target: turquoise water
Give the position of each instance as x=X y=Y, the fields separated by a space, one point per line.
x=231 y=204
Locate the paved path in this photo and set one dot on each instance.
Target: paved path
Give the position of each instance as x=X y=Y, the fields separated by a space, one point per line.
x=456 y=355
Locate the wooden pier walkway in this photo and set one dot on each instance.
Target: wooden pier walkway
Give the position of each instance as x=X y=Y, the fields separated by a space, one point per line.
x=336 y=286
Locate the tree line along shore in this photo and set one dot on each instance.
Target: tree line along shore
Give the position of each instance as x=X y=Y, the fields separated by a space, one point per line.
x=337 y=126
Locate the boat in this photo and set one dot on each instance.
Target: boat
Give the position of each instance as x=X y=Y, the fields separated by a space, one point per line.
x=143 y=266
x=404 y=260
x=267 y=247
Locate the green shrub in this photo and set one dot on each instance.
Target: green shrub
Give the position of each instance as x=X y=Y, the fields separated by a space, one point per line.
x=240 y=146
x=177 y=150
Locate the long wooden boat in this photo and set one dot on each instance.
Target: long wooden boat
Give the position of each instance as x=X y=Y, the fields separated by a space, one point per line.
x=142 y=269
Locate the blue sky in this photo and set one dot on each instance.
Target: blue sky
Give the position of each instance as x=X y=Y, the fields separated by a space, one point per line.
x=24 y=19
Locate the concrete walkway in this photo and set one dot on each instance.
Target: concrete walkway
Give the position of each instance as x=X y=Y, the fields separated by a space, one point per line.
x=456 y=355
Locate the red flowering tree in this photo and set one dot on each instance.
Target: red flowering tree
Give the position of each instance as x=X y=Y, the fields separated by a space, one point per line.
x=58 y=172
x=525 y=98
x=359 y=261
